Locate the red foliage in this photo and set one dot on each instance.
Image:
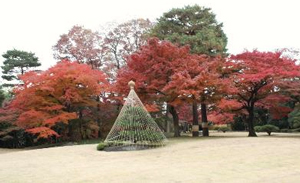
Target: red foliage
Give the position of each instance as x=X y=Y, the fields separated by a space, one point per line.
x=152 y=68
x=151 y=107
x=43 y=132
x=54 y=95
x=262 y=76
x=185 y=112
x=260 y=79
x=220 y=117
x=229 y=105
x=199 y=77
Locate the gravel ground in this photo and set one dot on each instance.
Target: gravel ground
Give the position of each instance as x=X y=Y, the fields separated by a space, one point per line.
x=223 y=157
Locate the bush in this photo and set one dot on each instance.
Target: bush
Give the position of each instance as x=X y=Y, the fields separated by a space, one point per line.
x=296 y=130
x=115 y=143
x=266 y=128
x=257 y=128
x=14 y=137
x=101 y=146
x=216 y=128
x=223 y=129
x=285 y=130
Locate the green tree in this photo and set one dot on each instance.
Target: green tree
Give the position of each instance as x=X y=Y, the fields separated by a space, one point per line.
x=197 y=27
x=17 y=62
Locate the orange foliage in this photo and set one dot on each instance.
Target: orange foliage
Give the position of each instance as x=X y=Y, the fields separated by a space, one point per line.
x=151 y=107
x=261 y=80
x=151 y=68
x=221 y=117
x=55 y=95
x=229 y=105
x=43 y=132
x=262 y=77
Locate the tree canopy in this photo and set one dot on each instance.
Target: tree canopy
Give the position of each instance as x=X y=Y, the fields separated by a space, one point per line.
x=195 y=26
x=259 y=80
x=17 y=62
x=198 y=28
x=56 y=95
x=152 y=68
x=81 y=44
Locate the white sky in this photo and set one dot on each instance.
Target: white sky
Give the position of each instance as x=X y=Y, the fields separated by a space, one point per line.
x=35 y=25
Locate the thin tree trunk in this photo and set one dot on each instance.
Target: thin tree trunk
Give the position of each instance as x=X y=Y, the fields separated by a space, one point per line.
x=98 y=117
x=80 y=125
x=251 y=122
x=204 y=120
x=173 y=111
x=195 y=130
x=167 y=120
x=22 y=71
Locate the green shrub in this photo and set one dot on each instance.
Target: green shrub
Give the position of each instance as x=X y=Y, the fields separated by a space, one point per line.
x=216 y=128
x=296 y=130
x=266 y=128
x=257 y=128
x=101 y=146
x=223 y=129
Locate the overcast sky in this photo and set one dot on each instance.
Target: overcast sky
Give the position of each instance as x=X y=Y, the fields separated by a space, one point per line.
x=35 y=25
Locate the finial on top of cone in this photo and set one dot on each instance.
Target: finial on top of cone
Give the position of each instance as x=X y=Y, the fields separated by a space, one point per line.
x=131 y=84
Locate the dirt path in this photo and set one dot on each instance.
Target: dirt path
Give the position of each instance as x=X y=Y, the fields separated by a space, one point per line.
x=233 y=158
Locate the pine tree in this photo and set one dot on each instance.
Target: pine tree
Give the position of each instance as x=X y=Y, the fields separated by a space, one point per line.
x=17 y=63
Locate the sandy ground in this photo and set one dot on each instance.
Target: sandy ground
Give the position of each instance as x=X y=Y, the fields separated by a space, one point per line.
x=229 y=157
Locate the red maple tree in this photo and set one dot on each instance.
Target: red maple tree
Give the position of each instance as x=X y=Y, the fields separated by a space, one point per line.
x=152 y=67
x=59 y=94
x=199 y=80
x=260 y=80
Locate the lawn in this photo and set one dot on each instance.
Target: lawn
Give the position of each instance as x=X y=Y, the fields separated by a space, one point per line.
x=223 y=157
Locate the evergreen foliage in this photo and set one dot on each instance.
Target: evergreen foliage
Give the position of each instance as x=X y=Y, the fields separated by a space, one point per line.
x=17 y=62
x=266 y=128
x=195 y=26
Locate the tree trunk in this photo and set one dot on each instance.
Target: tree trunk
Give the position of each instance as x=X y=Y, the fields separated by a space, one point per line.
x=75 y=130
x=22 y=71
x=167 y=120
x=204 y=120
x=195 y=129
x=98 y=117
x=173 y=111
x=251 y=123
x=82 y=136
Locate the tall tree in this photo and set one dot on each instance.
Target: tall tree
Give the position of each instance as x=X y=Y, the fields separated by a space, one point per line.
x=125 y=38
x=197 y=27
x=83 y=45
x=199 y=80
x=63 y=92
x=152 y=67
x=17 y=62
x=260 y=79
